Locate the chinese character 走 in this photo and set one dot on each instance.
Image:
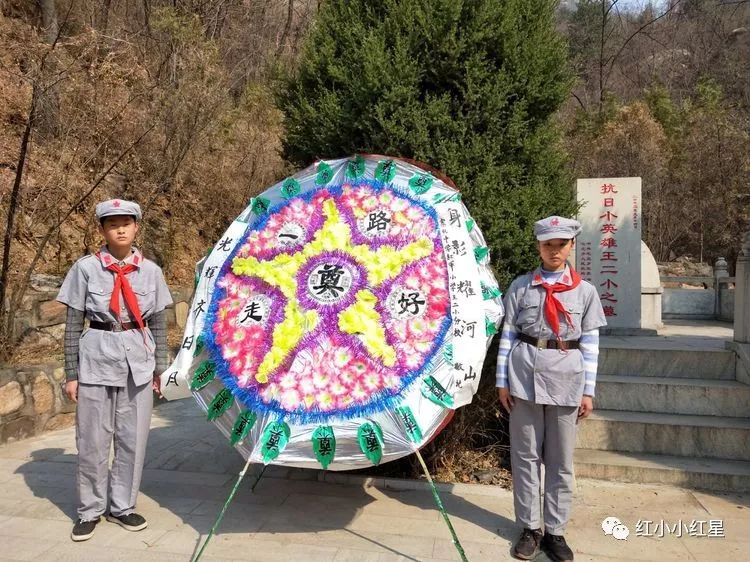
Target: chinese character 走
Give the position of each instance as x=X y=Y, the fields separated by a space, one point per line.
x=251 y=311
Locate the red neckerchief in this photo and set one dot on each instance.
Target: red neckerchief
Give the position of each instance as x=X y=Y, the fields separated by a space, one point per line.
x=553 y=307
x=122 y=285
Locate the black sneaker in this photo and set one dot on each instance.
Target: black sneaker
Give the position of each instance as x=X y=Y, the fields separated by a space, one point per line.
x=131 y=521
x=83 y=530
x=527 y=546
x=556 y=548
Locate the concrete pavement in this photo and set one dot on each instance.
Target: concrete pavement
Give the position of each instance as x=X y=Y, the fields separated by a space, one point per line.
x=312 y=515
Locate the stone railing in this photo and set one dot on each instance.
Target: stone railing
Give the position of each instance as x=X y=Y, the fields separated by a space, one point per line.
x=741 y=343
x=742 y=293
x=700 y=298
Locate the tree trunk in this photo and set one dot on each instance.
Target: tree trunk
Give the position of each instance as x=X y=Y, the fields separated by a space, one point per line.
x=5 y=313
x=49 y=20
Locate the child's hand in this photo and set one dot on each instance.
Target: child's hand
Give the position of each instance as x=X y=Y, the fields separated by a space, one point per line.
x=586 y=407
x=156 y=385
x=71 y=390
x=506 y=399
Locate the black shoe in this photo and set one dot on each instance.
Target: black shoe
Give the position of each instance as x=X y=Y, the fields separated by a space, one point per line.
x=528 y=544
x=83 y=530
x=131 y=521
x=556 y=548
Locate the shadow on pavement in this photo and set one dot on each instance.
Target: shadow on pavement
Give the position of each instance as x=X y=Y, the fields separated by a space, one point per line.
x=190 y=470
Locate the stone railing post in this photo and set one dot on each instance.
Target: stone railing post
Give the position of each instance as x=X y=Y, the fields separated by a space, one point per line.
x=721 y=270
x=742 y=293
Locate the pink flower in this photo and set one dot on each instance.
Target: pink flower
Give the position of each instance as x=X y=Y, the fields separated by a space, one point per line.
x=290 y=399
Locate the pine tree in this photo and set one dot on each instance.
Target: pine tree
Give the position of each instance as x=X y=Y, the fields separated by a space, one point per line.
x=467 y=86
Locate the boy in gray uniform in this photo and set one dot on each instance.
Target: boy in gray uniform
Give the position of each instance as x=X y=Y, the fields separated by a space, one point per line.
x=111 y=367
x=546 y=375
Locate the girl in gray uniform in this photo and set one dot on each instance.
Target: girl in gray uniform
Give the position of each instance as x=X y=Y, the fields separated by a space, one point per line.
x=546 y=375
x=111 y=367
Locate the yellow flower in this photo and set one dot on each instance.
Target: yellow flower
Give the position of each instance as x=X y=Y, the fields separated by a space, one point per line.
x=362 y=319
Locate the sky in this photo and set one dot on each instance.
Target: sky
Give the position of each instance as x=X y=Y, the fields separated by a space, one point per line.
x=639 y=4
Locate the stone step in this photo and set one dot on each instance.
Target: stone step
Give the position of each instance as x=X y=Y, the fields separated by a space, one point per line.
x=666 y=434
x=667 y=360
x=706 y=474
x=699 y=397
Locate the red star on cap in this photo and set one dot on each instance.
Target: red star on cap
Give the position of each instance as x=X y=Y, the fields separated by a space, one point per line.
x=116 y=203
x=554 y=222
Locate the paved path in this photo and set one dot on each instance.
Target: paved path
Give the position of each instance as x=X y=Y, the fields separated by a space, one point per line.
x=311 y=516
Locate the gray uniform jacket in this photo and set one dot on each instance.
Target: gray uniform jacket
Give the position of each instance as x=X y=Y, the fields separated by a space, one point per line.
x=105 y=358
x=549 y=376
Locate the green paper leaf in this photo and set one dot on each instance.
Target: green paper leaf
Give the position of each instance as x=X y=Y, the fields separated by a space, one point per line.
x=324 y=445
x=421 y=183
x=199 y=345
x=355 y=168
x=435 y=393
x=448 y=353
x=385 y=171
x=490 y=292
x=370 y=438
x=274 y=440
x=481 y=252
x=438 y=198
x=490 y=326
x=242 y=426
x=290 y=188
x=410 y=423
x=260 y=205
x=470 y=225
x=203 y=375
x=325 y=174
x=220 y=404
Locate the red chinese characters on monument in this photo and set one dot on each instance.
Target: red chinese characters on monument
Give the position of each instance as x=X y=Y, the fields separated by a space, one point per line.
x=609 y=286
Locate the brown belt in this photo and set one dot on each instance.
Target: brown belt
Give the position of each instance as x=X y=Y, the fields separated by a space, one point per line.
x=549 y=344
x=113 y=326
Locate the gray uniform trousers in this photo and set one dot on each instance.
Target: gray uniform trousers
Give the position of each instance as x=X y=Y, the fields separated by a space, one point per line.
x=542 y=433
x=105 y=412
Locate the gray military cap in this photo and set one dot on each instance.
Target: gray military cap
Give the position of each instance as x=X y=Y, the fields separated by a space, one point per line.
x=556 y=227
x=118 y=207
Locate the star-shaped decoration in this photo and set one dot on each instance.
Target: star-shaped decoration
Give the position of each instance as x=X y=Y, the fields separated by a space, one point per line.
x=360 y=318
